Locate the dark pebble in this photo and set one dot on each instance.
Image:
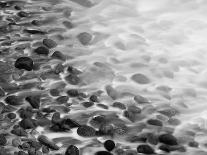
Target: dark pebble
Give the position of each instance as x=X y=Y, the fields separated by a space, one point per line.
x=59 y=68
x=62 y=99
x=13 y=100
x=93 y=98
x=11 y=115
x=136 y=138
x=68 y=24
x=41 y=50
x=71 y=123
x=152 y=138
x=23 y=14
x=129 y=115
x=87 y=104
x=134 y=109
x=22 y=153
x=119 y=105
x=106 y=129
x=193 y=144
x=45 y=141
x=45 y=149
x=48 y=110
x=168 y=139
x=43 y=122
x=164 y=148
x=97 y=121
x=25 y=113
x=154 y=122
x=54 y=92
x=36 y=22
x=36 y=145
x=27 y=123
x=16 y=7
x=146 y=149
x=34 y=101
x=72 y=79
x=19 y=132
x=86 y=131
x=37 y=32
x=73 y=93
x=58 y=55
x=3 y=140
x=25 y=63
x=84 y=38
x=56 y=118
x=72 y=150
x=102 y=106
x=73 y=70
x=103 y=153
x=49 y=43
x=109 y=145
x=25 y=146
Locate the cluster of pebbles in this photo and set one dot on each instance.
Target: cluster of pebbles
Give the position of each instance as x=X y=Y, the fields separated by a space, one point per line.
x=31 y=111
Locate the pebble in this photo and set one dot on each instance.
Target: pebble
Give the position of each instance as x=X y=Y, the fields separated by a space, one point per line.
x=27 y=123
x=193 y=144
x=45 y=149
x=119 y=105
x=36 y=22
x=106 y=129
x=174 y=121
x=22 y=153
x=22 y=14
x=25 y=63
x=136 y=138
x=56 y=118
x=3 y=140
x=140 y=78
x=68 y=24
x=36 y=32
x=97 y=121
x=170 y=112
x=73 y=93
x=140 y=99
x=16 y=142
x=102 y=106
x=73 y=70
x=13 y=100
x=86 y=131
x=72 y=79
x=111 y=92
x=49 y=43
x=11 y=115
x=25 y=113
x=72 y=150
x=54 y=92
x=34 y=101
x=84 y=38
x=2 y=107
x=62 y=99
x=19 y=132
x=155 y=122
x=146 y=149
x=41 y=50
x=134 y=109
x=164 y=148
x=59 y=68
x=130 y=152
x=168 y=139
x=152 y=138
x=94 y=98
x=109 y=145
x=25 y=146
x=71 y=123
x=16 y=7
x=103 y=153
x=36 y=145
x=58 y=55
x=87 y=104
x=129 y=115
x=45 y=141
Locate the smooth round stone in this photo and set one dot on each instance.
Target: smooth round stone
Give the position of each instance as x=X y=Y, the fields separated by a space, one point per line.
x=3 y=140
x=49 y=43
x=41 y=50
x=16 y=7
x=119 y=105
x=25 y=113
x=102 y=106
x=36 y=22
x=62 y=99
x=45 y=141
x=168 y=139
x=86 y=131
x=56 y=118
x=34 y=101
x=25 y=63
x=73 y=93
x=58 y=55
x=103 y=153
x=87 y=104
x=27 y=123
x=11 y=115
x=136 y=138
x=59 y=68
x=54 y=92
x=19 y=132
x=109 y=145
x=170 y=112
x=72 y=79
x=140 y=99
x=22 y=14
x=154 y=122
x=84 y=38
x=145 y=149
x=13 y=100
x=140 y=78
x=94 y=98
x=72 y=150
x=106 y=129
x=164 y=148
x=68 y=24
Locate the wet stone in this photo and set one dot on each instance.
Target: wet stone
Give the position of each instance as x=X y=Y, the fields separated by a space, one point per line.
x=193 y=144
x=140 y=99
x=36 y=145
x=45 y=141
x=73 y=70
x=54 y=92
x=19 y=132
x=41 y=50
x=154 y=122
x=13 y=100
x=112 y=92
x=36 y=22
x=11 y=115
x=102 y=106
x=72 y=79
x=129 y=115
x=73 y=93
x=68 y=24
x=59 y=68
x=62 y=99
x=140 y=78
x=146 y=149
x=72 y=150
x=25 y=113
x=136 y=138
x=103 y=153
x=34 y=32
x=25 y=146
x=170 y=112
x=2 y=107
x=94 y=98
x=134 y=109
x=109 y=145
x=3 y=140
x=25 y=63
x=16 y=7
x=87 y=104
x=84 y=38
x=34 y=101
x=23 y=14
x=168 y=139
x=27 y=123
x=49 y=43
x=86 y=131
x=58 y=55
x=119 y=105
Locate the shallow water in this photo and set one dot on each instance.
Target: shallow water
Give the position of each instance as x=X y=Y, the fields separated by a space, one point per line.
x=155 y=49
